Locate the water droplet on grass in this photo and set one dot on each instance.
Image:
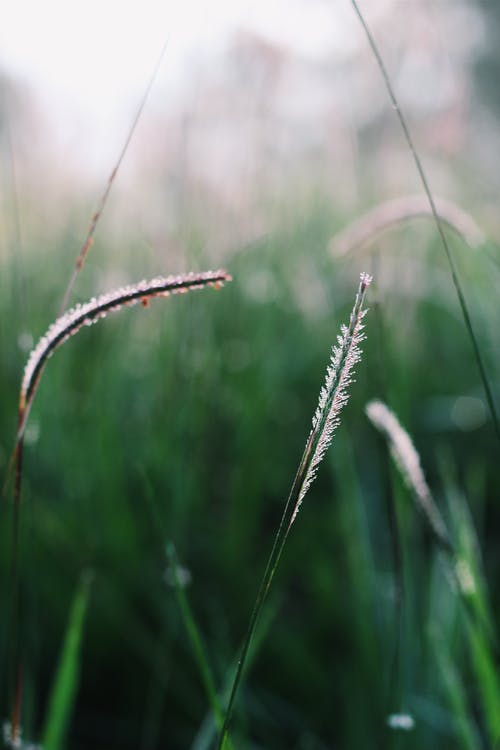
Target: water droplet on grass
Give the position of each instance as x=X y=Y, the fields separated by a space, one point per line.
x=183 y=576
x=468 y=413
x=403 y=722
x=25 y=341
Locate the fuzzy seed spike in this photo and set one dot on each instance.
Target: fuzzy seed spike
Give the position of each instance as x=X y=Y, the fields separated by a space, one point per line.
x=407 y=460
x=334 y=393
x=98 y=307
x=333 y=397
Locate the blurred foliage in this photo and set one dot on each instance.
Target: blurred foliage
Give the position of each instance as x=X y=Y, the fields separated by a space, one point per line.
x=184 y=421
x=487 y=64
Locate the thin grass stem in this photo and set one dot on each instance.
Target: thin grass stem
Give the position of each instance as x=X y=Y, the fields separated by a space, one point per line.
x=333 y=397
x=439 y=224
x=194 y=637
x=67 y=676
x=89 y=239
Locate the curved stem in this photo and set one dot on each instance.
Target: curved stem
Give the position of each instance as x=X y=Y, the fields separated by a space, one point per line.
x=60 y=331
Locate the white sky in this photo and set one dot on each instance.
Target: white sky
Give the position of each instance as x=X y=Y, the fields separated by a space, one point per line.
x=89 y=62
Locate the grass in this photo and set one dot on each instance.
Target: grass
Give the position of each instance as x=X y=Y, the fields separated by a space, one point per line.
x=66 y=680
x=464 y=307
x=185 y=426
x=336 y=584
x=333 y=397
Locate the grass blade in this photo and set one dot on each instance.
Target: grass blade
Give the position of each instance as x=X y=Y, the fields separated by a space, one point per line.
x=487 y=680
x=407 y=460
x=463 y=569
x=194 y=637
x=67 y=676
x=466 y=729
x=207 y=734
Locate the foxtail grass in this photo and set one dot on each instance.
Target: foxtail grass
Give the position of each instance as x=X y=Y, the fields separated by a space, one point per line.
x=439 y=223
x=389 y=215
x=58 y=333
x=463 y=569
x=408 y=462
x=194 y=636
x=85 y=315
x=332 y=398
x=97 y=308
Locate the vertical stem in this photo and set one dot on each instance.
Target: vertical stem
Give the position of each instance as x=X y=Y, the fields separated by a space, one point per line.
x=454 y=275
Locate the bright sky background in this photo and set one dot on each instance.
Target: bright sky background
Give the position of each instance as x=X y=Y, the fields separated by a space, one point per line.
x=89 y=62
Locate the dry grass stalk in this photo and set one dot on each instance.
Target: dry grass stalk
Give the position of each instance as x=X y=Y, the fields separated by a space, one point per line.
x=390 y=214
x=96 y=216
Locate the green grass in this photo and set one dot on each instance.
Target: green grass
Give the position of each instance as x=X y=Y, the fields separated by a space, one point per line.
x=67 y=677
x=185 y=421
x=183 y=424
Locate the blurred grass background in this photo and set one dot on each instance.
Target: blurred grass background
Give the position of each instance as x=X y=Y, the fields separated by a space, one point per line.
x=184 y=423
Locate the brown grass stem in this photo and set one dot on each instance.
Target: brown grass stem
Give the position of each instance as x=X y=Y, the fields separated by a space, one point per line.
x=60 y=331
x=89 y=239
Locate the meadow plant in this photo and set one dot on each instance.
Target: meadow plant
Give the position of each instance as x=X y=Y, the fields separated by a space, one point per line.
x=367 y=229
x=60 y=331
x=85 y=315
x=332 y=398
x=463 y=570
x=437 y=219
x=96 y=216
x=407 y=460
x=96 y=309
